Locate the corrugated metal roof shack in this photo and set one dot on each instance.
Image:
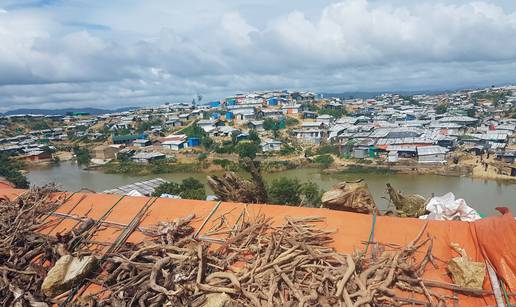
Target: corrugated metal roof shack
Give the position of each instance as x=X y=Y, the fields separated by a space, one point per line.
x=126 y=139
x=146 y=187
x=431 y=154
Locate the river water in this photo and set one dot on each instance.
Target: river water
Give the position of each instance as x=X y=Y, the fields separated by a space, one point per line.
x=483 y=195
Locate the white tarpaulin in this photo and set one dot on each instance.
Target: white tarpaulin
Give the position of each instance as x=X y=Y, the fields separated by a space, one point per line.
x=446 y=208
x=134 y=193
x=170 y=196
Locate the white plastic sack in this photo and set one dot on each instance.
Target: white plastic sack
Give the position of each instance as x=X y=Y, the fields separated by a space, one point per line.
x=446 y=208
x=134 y=193
x=170 y=196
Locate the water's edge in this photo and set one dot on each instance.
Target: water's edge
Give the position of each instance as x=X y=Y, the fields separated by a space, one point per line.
x=484 y=195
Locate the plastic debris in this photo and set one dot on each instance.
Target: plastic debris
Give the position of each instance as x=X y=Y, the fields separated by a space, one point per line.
x=134 y=193
x=165 y=195
x=447 y=208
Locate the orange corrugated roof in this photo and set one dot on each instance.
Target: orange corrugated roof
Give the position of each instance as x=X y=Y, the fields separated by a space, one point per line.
x=4 y=184
x=493 y=237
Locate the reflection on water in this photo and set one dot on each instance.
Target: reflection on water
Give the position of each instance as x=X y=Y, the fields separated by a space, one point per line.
x=484 y=195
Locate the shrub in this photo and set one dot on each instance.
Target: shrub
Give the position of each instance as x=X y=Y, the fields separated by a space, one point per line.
x=191 y=183
x=194 y=131
x=194 y=194
x=123 y=157
x=328 y=149
x=324 y=160
x=253 y=137
x=308 y=152
x=222 y=149
x=247 y=150
x=190 y=188
x=441 y=109
x=167 y=188
x=10 y=170
x=271 y=124
x=202 y=156
x=277 y=165
x=83 y=155
x=284 y=191
x=287 y=150
x=222 y=162
x=312 y=194
x=207 y=143
x=336 y=113
x=292 y=121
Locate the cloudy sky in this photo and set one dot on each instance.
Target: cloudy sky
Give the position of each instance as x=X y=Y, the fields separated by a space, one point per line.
x=113 y=53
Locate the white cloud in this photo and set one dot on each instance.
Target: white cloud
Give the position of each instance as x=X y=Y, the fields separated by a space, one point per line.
x=132 y=52
x=356 y=33
x=237 y=29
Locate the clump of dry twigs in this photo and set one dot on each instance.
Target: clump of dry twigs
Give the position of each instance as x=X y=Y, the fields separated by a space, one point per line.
x=24 y=251
x=250 y=263
x=262 y=265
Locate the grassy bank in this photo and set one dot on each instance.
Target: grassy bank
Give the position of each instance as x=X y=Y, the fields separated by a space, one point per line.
x=132 y=168
x=278 y=166
x=221 y=165
x=362 y=169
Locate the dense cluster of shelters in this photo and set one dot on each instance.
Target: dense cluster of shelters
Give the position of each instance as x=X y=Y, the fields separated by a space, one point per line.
x=391 y=126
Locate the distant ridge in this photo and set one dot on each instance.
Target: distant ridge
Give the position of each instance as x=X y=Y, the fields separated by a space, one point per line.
x=367 y=95
x=92 y=111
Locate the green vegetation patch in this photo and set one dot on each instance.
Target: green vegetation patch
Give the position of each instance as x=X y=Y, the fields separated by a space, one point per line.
x=358 y=169
x=441 y=108
x=190 y=188
x=274 y=166
x=324 y=160
x=156 y=167
x=336 y=113
x=227 y=164
x=10 y=170
x=290 y=191
x=82 y=154
x=328 y=149
x=497 y=97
